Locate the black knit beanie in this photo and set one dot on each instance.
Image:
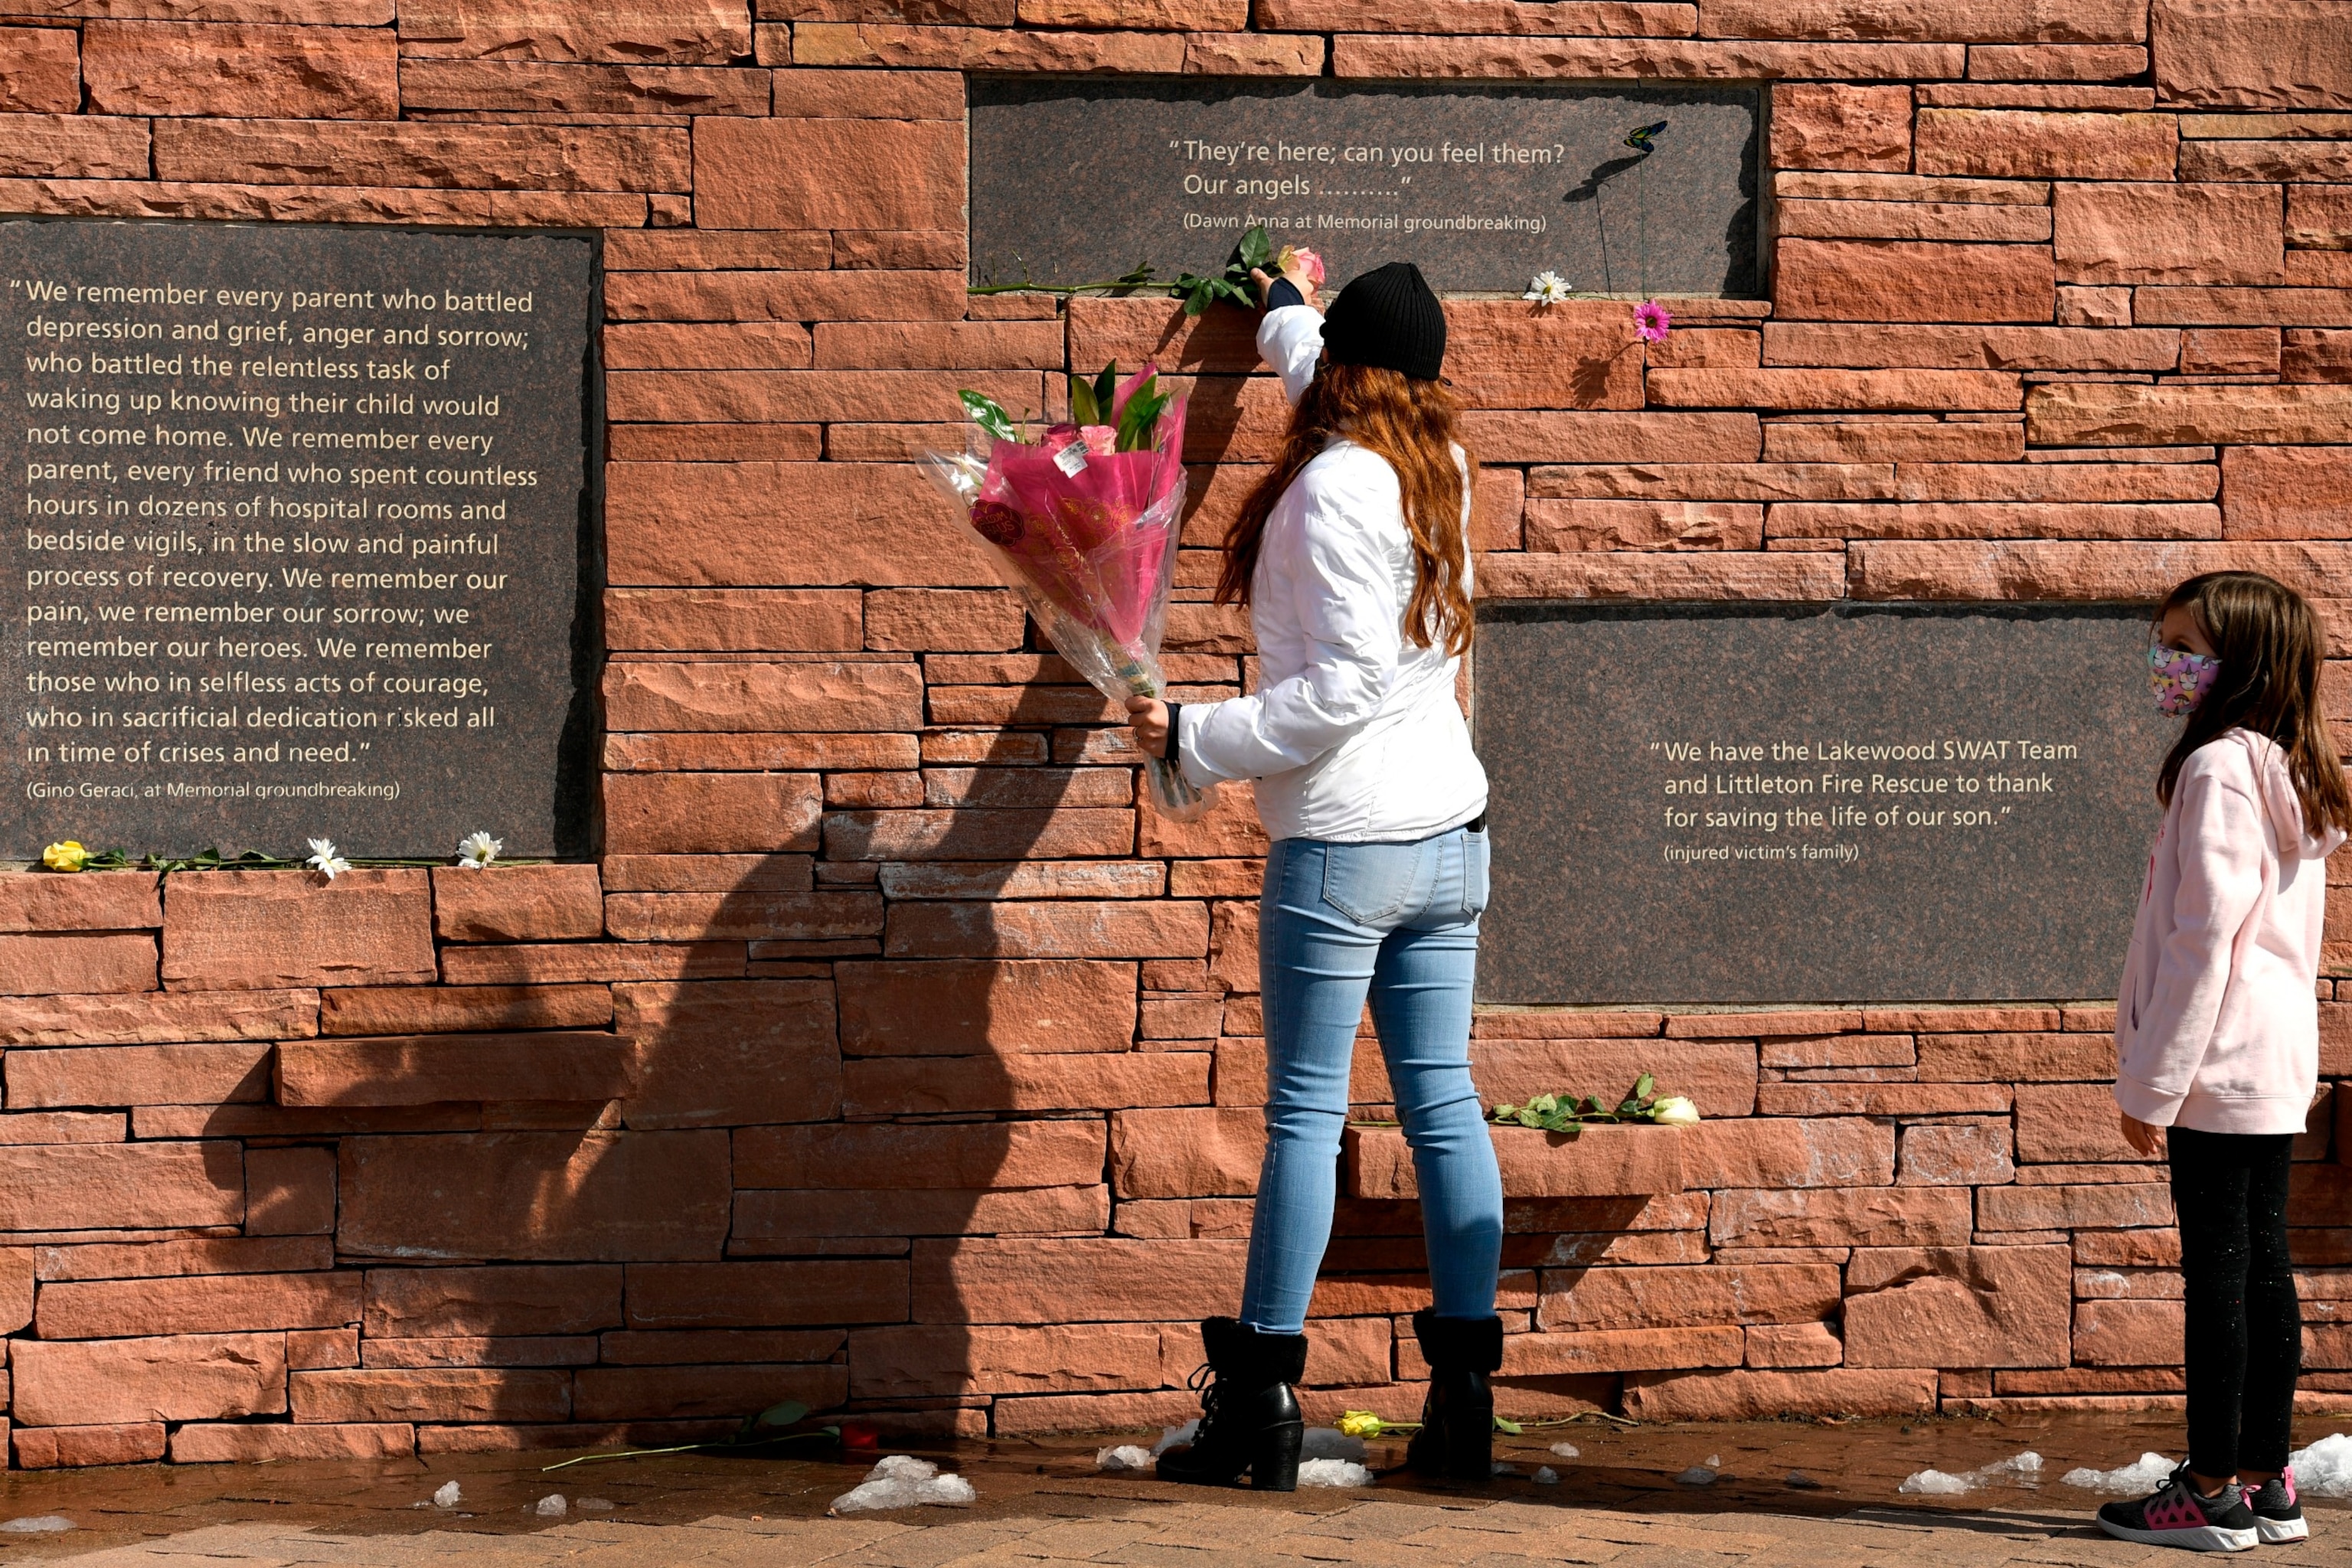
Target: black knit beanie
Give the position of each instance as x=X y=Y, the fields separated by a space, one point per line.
x=1389 y=319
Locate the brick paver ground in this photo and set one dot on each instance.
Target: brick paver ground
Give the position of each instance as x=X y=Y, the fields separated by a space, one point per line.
x=1615 y=1502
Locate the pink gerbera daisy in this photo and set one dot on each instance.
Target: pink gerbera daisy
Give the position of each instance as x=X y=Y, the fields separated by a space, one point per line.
x=1652 y=321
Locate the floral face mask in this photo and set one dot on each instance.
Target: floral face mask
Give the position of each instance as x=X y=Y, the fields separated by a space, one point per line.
x=2180 y=679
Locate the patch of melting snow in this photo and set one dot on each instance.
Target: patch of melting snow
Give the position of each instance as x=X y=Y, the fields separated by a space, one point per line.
x=1333 y=1473
x=1546 y=1475
x=2024 y=1469
x=38 y=1524
x=1126 y=1456
x=902 y=1482
x=2141 y=1475
x=552 y=1506
x=1565 y=1450
x=2325 y=1469
x=1701 y=1475
x=447 y=1495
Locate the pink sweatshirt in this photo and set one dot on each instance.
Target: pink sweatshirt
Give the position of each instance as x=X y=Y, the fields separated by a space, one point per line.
x=2217 y=1027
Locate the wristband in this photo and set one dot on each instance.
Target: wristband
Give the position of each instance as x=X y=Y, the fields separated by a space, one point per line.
x=1168 y=753
x=1282 y=292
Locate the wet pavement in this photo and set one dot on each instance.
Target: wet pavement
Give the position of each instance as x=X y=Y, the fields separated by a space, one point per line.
x=1618 y=1500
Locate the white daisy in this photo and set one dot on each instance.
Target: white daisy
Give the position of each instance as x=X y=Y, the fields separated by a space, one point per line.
x=325 y=858
x=1547 y=289
x=478 y=849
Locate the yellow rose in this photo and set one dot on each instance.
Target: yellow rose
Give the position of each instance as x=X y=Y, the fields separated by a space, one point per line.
x=65 y=857
x=1360 y=1424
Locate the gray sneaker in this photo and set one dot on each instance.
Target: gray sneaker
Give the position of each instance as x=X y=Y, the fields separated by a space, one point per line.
x=2175 y=1515
x=2278 y=1512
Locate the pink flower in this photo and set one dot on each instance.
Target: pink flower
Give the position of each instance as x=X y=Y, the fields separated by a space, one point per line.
x=1304 y=260
x=1101 y=439
x=1652 y=321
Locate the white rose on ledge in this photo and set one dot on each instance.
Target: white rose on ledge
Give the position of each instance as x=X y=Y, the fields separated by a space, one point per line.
x=1674 y=1111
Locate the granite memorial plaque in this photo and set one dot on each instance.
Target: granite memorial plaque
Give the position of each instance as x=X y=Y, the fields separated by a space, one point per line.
x=1618 y=189
x=298 y=547
x=1851 y=804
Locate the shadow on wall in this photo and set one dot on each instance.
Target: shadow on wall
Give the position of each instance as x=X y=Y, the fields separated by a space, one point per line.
x=547 y=1197
x=792 y=1175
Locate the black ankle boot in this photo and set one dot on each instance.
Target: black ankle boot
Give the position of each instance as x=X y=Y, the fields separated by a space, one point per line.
x=1249 y=1417
x=1457 y=1422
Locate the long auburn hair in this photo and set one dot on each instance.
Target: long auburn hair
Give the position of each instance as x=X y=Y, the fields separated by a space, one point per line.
x=2268 y=642
x=1411 y=424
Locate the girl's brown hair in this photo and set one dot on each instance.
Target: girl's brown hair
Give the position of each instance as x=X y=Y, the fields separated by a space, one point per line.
x=2268 y=642
x=1411 y=424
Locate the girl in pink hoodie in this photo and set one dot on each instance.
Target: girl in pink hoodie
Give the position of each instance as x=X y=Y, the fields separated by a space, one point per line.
x=2217 y=1032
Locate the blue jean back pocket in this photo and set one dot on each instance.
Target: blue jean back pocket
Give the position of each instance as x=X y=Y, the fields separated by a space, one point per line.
x=1371 y=884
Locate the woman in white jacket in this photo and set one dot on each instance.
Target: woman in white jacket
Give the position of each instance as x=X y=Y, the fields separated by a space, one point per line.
x=1353 y=557
x=2217 y=1033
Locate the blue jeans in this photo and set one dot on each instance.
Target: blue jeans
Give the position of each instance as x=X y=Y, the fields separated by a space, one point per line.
x=1400 y=922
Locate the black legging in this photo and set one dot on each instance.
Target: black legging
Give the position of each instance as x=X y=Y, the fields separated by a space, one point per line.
x=2244 y=1326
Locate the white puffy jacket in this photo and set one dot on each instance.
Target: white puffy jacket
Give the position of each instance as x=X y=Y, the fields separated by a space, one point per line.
x=1353 y=734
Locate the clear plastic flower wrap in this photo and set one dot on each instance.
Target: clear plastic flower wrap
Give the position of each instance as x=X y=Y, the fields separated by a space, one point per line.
x=1082 y=520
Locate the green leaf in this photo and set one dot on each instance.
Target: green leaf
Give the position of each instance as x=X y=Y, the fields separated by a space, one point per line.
x=988 y=415
x=1141 y=417
x=1107 y=391
x=1512 y=1427
x=783 y=1415
x=1644 y=1087
x=1082 y=402
x=1255 y=247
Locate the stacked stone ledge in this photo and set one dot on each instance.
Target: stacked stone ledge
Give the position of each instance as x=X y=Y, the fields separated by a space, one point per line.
x=891 y=1057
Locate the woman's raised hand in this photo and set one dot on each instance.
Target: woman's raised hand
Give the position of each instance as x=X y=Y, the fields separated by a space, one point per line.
x=1299 y=280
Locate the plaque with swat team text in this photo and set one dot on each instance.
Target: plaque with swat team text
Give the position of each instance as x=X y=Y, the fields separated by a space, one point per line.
x=1860 y=803
x=297 y=550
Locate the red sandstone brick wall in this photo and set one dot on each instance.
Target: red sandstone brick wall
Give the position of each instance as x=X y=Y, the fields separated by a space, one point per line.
x=890 y=1059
